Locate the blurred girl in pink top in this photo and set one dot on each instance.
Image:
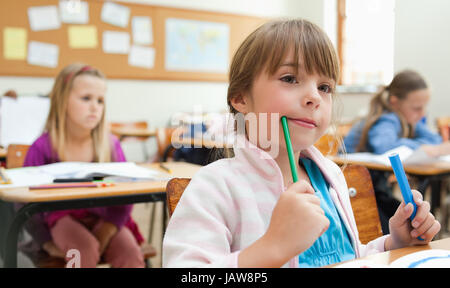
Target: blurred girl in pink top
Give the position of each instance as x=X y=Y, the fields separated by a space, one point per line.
x=76 y=131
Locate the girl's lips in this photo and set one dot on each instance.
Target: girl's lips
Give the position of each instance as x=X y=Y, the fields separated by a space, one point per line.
x=304 y=122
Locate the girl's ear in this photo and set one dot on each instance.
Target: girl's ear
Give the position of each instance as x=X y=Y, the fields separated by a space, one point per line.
x=240 y=102
x=393 y=101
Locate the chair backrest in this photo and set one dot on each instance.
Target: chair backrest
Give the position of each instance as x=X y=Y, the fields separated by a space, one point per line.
x=117 y=126
x=364 y=205
x=163 y=142
x=327 y=144
x=15 y=155
x=443 y=125
x=362 y=197
x=134 y=125
x=174 y=190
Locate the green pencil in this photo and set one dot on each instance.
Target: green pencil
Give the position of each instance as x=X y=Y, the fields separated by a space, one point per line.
x=290 y=151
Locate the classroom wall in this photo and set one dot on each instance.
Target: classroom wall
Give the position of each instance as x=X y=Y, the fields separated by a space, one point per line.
x=422 y=42
x=155 y=101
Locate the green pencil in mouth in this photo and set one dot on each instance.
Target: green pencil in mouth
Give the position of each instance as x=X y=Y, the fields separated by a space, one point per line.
x=287 y=138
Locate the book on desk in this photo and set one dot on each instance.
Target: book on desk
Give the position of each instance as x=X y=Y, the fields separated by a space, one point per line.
x=112 y=172
x=407 y=156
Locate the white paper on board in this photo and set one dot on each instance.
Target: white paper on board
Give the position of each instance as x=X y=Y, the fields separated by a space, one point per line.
x=115 y=14
x=74 y=12
x=43 y=54
x=142 y=30
x=43 y=18
x=116 y=42
x=22 y=119
x=143 y=57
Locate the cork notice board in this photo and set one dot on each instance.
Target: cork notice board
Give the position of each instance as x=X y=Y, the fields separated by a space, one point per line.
x=14 y=14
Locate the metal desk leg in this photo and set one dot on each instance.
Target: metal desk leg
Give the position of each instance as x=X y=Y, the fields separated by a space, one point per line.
x=10 y=249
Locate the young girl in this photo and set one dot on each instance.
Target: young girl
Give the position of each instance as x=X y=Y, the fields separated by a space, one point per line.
x=394 y=120
x=76 y=131
x=244 y=211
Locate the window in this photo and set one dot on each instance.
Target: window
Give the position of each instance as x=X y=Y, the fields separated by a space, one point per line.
x=366 y=41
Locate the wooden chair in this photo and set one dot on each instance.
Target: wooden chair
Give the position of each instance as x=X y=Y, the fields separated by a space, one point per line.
x=116 y=127
x=15 y=155
x=443 y=125
x=129 y=125
x=174 y=190
x=362 y=197
x=327 y=144
x=163 y=143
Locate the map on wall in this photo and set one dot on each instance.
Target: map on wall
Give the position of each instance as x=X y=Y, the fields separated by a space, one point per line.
x=196 y=46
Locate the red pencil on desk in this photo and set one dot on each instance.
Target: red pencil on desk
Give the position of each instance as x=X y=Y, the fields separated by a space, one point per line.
x=72 y=185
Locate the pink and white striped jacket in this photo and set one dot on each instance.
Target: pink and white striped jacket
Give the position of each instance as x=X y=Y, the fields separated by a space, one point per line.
x=228 y=206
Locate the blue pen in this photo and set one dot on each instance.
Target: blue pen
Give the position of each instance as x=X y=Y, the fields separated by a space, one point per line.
x=403 y=183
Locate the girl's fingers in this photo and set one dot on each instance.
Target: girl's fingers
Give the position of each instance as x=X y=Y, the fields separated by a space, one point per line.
x=422 y=213
x=430 y=233
x=426 y=224
x=418 y=197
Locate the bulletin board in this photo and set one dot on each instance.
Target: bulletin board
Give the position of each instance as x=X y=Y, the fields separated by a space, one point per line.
x=116 y=66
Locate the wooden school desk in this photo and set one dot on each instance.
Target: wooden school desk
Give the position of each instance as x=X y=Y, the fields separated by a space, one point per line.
x=76 y=198
x=385 y=258
x=427 y=174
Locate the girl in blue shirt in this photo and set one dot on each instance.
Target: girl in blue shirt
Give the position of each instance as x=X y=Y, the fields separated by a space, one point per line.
x=394 y=119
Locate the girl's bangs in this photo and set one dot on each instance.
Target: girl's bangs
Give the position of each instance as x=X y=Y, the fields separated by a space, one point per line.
x=311 y=47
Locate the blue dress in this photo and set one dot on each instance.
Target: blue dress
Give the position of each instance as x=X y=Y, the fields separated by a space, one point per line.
x=334 y=245
x=384 y=135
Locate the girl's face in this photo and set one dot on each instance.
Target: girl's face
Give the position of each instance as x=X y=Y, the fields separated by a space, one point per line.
x=86 y=102
x=305 y=99
x=413 y=107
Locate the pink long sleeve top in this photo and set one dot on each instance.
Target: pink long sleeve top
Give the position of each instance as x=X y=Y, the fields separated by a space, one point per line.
x=228 y=205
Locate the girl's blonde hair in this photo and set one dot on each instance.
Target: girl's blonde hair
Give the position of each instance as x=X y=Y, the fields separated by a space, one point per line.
x=266 y=48
x=57 y=117
x=403 y=83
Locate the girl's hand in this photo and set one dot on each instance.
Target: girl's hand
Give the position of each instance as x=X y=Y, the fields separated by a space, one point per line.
x=297 y=221
x=104 y=234
x=404 y=232
x=436 y=150
x=430 y=150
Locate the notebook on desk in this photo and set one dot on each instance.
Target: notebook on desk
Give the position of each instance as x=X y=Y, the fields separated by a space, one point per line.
x=434 y=258
x=119 y=171
x=407 y=155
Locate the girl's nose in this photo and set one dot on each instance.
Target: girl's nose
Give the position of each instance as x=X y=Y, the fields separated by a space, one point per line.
x=95 y=105
x=311 y=98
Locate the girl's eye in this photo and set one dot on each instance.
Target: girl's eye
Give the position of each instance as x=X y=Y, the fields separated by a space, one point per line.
x=100 y=101
x=325 y=88
x=289 y=79
x=86 y=98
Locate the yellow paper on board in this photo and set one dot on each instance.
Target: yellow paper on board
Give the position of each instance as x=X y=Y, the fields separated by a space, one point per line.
x=82 y=36
x=14 y=43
